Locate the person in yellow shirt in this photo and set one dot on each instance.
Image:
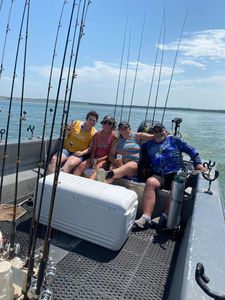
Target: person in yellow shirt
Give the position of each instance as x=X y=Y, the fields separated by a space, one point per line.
x=77 y=143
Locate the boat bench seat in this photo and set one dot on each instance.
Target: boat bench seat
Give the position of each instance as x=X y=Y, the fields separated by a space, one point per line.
x=138 y=187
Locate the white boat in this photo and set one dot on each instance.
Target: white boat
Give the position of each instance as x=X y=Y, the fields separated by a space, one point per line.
x=90 y=249
x=151 y=264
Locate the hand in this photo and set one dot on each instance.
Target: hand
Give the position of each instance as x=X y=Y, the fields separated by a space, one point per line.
x=118 y=162
x=78 y=153
x=200 y=167
x=94 y=163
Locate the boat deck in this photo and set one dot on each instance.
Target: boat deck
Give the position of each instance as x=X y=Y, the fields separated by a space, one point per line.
x=142 y=269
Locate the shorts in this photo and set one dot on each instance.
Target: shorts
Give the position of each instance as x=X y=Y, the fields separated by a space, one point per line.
x=166 y=180
x=67 y=153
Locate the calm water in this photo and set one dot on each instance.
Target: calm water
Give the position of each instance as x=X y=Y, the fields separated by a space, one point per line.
x=204 y=130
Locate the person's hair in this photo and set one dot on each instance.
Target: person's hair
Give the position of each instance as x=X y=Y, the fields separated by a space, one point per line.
x=92 y=113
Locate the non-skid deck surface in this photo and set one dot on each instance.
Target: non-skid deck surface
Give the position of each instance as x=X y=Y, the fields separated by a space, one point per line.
x=142 y=269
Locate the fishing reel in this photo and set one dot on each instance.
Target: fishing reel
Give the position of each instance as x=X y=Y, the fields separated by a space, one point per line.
x=50 y=272
x=6 y=250
x=46 y=293
x=3 y=245
x=209 y=176
x=12 y=250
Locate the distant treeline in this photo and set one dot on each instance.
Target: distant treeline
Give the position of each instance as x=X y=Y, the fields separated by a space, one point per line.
x=110 y=105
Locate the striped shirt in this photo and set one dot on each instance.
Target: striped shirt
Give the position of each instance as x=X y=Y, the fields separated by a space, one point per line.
x=128 y=148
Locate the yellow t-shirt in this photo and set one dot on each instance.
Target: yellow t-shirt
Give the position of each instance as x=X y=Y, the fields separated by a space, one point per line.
x=78 y=140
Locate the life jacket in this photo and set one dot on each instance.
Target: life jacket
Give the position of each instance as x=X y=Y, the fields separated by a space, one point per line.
x=78 y=140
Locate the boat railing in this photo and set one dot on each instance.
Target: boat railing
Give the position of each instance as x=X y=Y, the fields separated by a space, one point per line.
x=28 y=167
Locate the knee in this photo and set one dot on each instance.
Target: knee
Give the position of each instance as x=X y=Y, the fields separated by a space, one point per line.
x=81 y=167
x=152 y=182
x=71 y=162
x=53 y=159
x=131 y=165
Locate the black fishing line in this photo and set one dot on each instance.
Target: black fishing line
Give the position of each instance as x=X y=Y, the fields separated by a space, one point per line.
x=13 y=226
x=160 y=71
x=10 y=101
x=175 y=59
x=125 y=80
x=136 y=70
x=6 y=35
x=1 y=5
x=121 y=66
x=34 y=222
x=154 y=69
x=46 y=245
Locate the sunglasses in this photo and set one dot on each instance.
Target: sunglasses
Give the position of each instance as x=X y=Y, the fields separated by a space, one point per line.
x=123 y=128
x=107 y=122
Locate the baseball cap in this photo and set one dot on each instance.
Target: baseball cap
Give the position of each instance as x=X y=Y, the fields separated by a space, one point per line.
x=125 y=124
x=108 y=118
x=158 y=125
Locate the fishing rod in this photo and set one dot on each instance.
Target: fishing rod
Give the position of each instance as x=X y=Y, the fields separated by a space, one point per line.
x=160 y=72
x=13 y=223
x=153 y=73
x=137 y=65
x=43 y=262
x=1 y=5
x=6 y=35
x=65 y=113
x=34 y=222
x=175 y=59
x=4 y=157
x=68 y=73
x=121 y=65
x=125 y=81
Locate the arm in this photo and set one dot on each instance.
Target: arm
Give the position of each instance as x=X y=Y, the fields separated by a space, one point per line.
x=87 y=150
x=69 y=128
x=142 y=136
x=112 y=152
x=93 y=148
x=191 y=151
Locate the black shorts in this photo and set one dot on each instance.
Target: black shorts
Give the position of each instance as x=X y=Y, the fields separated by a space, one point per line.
x=166 y=180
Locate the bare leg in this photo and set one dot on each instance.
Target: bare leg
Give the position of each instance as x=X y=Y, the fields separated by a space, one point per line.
x=103 y=164
x=52 y=164
x=81 y=167
x=149 y=196
x=129 y=169
x=71 y=163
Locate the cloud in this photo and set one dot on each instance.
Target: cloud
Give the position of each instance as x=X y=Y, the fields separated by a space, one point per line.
x=105 y=71
x=44 y=71
x=192 y=63
x=201 y=44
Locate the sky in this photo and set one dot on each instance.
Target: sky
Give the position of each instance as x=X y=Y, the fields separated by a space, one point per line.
x=198 y=78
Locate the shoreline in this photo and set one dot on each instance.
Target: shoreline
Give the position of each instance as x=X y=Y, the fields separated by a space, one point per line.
x=32 y=100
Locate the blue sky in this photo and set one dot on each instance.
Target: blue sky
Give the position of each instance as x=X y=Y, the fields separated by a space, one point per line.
x=199 y=75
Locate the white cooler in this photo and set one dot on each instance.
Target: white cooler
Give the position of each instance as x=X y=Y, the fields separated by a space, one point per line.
x=94 y=211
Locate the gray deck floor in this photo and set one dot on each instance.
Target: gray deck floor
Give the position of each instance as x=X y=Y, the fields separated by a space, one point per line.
x=142 y=269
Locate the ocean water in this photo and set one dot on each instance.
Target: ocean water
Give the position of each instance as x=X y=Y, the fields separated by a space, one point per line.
x=203 y=130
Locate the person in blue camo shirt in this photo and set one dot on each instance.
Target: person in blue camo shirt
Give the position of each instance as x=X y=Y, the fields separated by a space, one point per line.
x=164 y=155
